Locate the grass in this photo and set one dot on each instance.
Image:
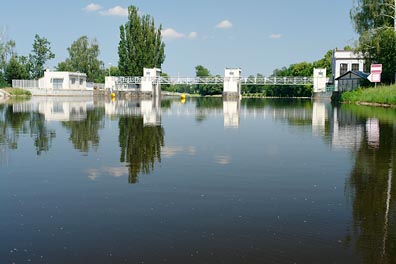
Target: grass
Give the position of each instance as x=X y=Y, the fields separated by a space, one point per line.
x=17 y=92
x=380 y=95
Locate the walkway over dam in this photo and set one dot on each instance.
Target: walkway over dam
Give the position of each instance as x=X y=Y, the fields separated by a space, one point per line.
x=216 y=80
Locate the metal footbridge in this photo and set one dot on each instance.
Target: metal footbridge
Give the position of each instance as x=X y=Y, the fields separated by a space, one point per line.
x=216 y=80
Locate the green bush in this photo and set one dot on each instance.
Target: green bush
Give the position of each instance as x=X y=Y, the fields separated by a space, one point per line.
x=380 y=95
x=17 y=92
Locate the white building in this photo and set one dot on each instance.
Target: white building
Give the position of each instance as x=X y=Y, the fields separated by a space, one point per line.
x=344 y=61
x=63 y=80
x=55 y=83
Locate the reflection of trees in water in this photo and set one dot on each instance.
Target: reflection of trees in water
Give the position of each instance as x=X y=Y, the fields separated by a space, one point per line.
x=140 y=145
x=373 y=192
x=39 y=131
x=85 y=133
x=13 y=124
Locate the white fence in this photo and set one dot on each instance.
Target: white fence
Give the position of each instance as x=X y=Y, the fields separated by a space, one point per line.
x=25 y=84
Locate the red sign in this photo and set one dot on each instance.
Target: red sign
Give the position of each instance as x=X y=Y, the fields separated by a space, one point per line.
x=375 y=77
x=376 y=68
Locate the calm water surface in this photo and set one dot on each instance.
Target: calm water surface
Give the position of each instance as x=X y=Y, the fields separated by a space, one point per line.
x=202 y=181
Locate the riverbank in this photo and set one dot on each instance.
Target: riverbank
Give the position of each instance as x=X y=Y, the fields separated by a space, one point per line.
x=16 y=92
x=384 y=96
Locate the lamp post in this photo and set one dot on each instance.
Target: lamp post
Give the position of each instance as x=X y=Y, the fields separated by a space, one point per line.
x=112 y=65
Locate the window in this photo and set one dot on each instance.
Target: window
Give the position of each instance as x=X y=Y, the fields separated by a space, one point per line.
x=81 y=81
x=57 y=108
x=231 y=73
x=355 y=66
x=73 y=80
x=57 y=83
x=343 y=68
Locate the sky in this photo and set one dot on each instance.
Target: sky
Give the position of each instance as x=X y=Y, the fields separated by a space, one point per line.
x=256 y=35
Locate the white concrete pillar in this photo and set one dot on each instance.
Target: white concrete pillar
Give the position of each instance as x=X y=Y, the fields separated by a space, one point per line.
x=232 y=82
x=320 y=80
x=150 y=82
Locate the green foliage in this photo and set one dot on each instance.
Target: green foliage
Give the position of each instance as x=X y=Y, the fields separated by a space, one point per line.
x=40 y=54
x=140 y=45
x=3 y=82
x=114 y=71
x=206 y=89
x=140 y=145
x=253 y=89
x=16 y=69
x=85 y=133
x=6 y=51
x=380 y=95
x=14 y=124
x=17 y=92
x=83 y=57
x=288 y=91
x=201 y=71
x=374 y=22
x=326 y=62
x=298 y=69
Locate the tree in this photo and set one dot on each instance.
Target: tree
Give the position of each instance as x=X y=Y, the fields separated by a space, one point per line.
x=140 y=145
x=6 y=51
x=84 y=134
x=83 y=57
x=201 y=71
x=207 y=89
x=374 y=21
x=16 y=68
x=140 y=45
x=41 y=53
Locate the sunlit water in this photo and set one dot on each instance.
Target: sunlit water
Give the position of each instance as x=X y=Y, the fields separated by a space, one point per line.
x=202 y=181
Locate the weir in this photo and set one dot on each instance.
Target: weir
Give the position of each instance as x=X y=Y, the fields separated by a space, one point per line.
x=150 y=83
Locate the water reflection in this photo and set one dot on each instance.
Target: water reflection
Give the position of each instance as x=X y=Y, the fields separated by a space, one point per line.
x=230 y=189
x=231 y=110
x=13 y=123
x=371 y=187
x=149 y=109
x=140 y=145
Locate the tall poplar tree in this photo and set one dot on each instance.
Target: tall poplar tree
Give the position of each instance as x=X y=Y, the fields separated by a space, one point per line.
x=374 y=21
x=140 y=44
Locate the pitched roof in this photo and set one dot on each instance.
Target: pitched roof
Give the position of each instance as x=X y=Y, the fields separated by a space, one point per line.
x=350 y=75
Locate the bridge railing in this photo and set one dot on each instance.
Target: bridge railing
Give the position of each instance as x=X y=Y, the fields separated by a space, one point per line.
x=125 y=81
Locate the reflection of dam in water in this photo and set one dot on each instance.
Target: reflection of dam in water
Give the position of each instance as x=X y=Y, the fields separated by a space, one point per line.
x=57 y=109
x=75 y=109
x=340 y=128
x=149 y=109
x=345 y=130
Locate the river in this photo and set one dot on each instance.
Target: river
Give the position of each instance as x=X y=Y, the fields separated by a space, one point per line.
x=196 y=181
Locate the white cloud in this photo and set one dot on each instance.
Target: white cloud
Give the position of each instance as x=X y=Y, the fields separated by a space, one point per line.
x=115 y=11
x=225 y=24
x=223 y=159
x=170 y=33
x=92 y=7
x=275 y=36
x=192 y=35
x=170 y=151
x=93 y=174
